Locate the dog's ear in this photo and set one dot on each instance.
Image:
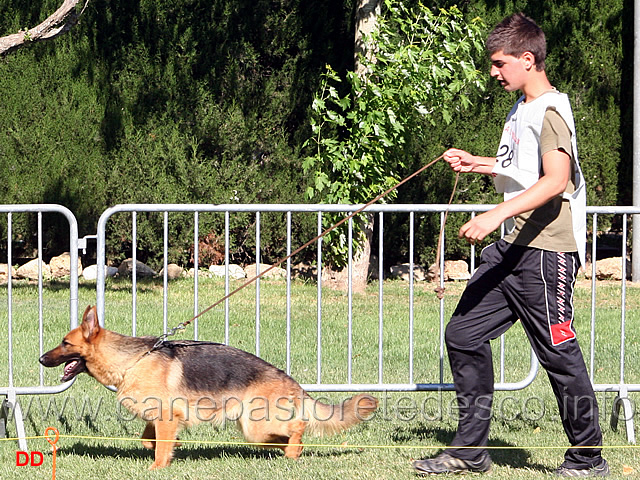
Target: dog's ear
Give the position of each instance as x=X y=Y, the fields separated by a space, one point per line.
x=90 y=325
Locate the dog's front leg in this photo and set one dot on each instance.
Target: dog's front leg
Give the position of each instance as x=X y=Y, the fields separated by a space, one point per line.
x=166 y=432
x=148 y=436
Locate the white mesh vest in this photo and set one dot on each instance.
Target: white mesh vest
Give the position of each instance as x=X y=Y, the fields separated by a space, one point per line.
x=519 y=163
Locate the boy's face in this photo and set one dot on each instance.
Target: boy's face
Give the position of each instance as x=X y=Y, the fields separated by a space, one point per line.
x=510 y=71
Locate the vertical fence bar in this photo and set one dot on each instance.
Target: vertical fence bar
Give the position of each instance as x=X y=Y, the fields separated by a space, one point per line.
x=623 y=317
x=592 y=344
x=40 y=294
x=196 y=262
x=10 y=295
x=134 y=270
x=165 y=275
x=350 y=304
x=441 y=267
x=472 y=265
x=288 y=293
x=380 y=297
x=227 y=221
x=258 y=260
x=502 y=352
x=411 y=313
x=319 y=303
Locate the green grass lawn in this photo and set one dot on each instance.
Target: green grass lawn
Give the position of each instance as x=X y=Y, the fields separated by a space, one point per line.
x=99 y=439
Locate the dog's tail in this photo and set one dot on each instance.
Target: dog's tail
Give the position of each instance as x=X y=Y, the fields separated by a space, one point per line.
x=325 y=419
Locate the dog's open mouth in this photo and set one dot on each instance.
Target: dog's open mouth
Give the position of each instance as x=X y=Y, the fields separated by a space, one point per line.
x=73 y=368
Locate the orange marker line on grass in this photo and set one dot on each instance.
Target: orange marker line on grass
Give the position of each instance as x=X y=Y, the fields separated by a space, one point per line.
x=53 y=445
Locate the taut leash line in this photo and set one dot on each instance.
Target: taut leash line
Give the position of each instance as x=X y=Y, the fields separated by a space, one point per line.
x=183 y=325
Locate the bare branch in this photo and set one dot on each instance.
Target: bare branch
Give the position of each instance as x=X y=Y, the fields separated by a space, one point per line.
x=58 y=23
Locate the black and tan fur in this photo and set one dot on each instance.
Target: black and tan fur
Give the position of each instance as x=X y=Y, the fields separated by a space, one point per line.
x=186 y=382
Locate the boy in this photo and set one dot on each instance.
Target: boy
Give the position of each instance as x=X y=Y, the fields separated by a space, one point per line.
x=530 y=273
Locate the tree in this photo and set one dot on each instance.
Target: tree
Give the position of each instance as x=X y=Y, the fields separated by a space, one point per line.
x=422 y=67
x=58 y=23
x=367 y=13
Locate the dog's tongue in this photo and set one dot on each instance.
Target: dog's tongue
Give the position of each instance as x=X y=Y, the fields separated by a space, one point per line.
x=70 y=366
x=69 y=370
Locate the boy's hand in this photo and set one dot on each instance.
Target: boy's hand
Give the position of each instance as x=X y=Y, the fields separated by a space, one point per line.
x=462 y=161
x=459 y=160
x=479 y=227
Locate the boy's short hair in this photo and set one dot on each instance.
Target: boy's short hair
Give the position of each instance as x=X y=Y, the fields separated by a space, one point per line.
x=516 y=35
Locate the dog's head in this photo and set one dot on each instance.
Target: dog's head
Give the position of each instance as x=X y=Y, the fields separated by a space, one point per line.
x=75 y=347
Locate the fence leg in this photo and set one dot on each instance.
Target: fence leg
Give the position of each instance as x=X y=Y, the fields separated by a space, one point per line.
x=4 y=407
x=17 y=417
x=622 y=400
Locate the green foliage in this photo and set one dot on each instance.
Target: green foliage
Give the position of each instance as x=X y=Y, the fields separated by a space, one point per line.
x=139 y=95
x=183 y=101
x=423 y=68
x=588 y=61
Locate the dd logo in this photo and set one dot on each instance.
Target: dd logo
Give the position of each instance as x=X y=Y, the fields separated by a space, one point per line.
x=25 y=459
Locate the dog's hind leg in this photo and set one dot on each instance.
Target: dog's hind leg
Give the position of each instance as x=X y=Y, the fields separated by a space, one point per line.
x=166 y=433
x=148 y=436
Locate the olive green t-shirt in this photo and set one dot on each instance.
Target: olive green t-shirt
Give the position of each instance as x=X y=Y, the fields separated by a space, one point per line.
x=549 y=227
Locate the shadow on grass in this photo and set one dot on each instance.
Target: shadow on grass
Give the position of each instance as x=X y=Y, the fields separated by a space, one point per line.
x=502 y=453
x=208 y=452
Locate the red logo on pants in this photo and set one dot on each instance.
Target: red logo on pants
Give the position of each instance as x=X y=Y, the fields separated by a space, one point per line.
x=561 y=332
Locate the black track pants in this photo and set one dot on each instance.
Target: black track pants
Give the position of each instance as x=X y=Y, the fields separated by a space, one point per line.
x=535 y=286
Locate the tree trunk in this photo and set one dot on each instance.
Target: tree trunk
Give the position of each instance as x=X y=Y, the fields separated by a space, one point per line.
x=366 y=17
x=339 y=279
x=58 y=23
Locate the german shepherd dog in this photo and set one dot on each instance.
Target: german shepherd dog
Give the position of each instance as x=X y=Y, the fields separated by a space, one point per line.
x=182 y=383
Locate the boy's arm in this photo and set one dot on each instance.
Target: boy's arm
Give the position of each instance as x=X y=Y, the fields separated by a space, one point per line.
x=556 y=166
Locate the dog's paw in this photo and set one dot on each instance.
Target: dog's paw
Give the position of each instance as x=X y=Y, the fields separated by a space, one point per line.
x=158 y=465
x=151 y=445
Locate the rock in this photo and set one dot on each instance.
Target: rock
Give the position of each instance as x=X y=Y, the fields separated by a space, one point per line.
x=250 y=271
x=456 y=270
x=611 y=269
x=235 y=271
x=30 y=270
x=402 y=271
x=174 y=271
x=453 y=270
x=4 y=273
x=61 y=266
x=126 y=268
x=91 y=272
x=202 y=273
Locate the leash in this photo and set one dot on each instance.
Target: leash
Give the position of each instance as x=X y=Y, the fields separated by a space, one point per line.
x=439 y=290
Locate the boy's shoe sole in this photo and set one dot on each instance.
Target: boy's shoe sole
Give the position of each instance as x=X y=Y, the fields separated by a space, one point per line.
x=600 y=470
x=445 y=463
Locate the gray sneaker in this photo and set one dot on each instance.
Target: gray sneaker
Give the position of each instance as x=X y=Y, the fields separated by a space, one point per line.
x=600 y=470
x=445 y=463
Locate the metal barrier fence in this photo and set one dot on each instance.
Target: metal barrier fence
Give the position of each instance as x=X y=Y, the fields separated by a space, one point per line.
x=618 y=383
x=318 y=209
x=622 y=387
x=13 y=388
